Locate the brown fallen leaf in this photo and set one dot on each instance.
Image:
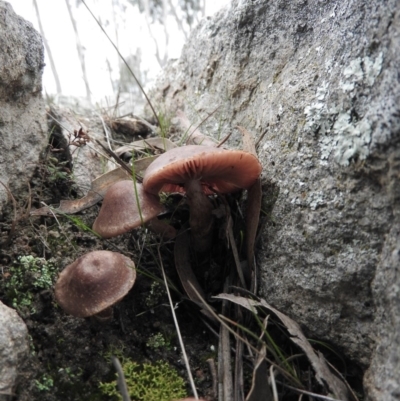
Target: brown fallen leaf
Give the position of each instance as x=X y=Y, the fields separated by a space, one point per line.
x=150 y=143
x=260 y=389
x=130 y=126
x=322 y=371
x=185 y=272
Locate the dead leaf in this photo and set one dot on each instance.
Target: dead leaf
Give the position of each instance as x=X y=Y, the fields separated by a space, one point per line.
x=130 y=126
x=157 y=142
x=185 y=272
x=322 y=372
x=259 y=387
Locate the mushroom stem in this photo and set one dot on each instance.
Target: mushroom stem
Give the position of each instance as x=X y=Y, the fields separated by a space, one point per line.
x=201 y=220
x=104 y=315
x=161 y=228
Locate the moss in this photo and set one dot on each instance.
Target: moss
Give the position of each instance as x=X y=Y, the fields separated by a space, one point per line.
x=148 y=382
x=158 y=341
x=25 y=277
x=45 y=383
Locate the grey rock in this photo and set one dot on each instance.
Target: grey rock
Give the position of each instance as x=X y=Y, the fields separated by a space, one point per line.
x=22 y=115
x=14 y=347
x=319 y=80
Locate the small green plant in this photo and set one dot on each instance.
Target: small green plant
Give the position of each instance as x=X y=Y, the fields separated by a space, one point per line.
x=69 y=374
x=25 y=276
x=148 y=382
x=165 y=123
x=45 y=383
x=155 y=294
x=57 y=170
x=158 y=341
x=80 y=224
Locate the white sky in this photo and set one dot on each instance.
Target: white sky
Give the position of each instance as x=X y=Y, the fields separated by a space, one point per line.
x=133 y=33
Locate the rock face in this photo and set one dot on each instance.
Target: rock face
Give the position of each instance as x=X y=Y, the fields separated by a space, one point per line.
x=13 y=349
x=22 y=116
x=318 y=81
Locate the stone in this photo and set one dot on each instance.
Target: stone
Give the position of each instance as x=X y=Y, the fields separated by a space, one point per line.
x=318 y=82
x=23 y=129
x=14 y=347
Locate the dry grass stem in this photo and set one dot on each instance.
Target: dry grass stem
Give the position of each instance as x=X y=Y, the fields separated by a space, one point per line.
x=182 y=345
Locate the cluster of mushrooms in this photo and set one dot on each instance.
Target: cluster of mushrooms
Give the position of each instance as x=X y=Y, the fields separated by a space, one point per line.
x=99 y=279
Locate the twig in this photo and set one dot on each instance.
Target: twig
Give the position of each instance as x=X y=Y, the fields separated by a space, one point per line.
x=185 y=358
x=273 y=383
x=344 y=380
x=238 y=382
x=322 y=397
x=198 y=126
x=105 y=131
x=122 y=387
x=213 y=371
x=260 y=138
x=224 y=140
x=224 y=353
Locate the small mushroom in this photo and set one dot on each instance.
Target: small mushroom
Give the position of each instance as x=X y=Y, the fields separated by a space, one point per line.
x=201 y=171
x=120 y=212
x=94 y=283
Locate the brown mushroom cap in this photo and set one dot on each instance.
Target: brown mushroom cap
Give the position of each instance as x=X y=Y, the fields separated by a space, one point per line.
x=94 y=282
x=120 y=213
x=219 y=170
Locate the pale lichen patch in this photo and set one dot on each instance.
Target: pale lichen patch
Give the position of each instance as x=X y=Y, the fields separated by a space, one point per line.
x=352 y=139
x=338 y=130
x=316 y=199
x=361 y=70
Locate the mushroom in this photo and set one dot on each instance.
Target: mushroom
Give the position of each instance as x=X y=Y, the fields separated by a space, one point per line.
x=200 y=171
x=94 y=283
x=120 y=212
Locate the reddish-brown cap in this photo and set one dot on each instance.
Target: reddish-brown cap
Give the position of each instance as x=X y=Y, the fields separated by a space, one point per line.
x=219 y=170
x=94 y=282
x=120 y=213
